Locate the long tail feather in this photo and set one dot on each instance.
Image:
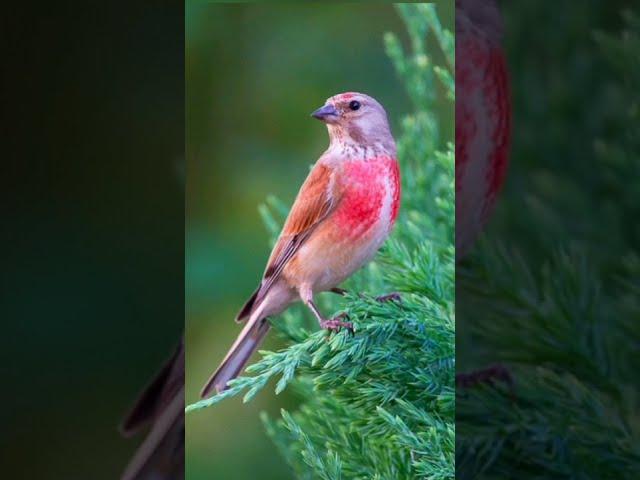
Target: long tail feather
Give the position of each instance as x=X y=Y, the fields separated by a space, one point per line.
x=247 y=342
x=147 y=405
x=161 y=454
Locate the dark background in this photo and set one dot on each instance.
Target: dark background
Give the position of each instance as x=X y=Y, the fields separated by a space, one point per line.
x=92 y=228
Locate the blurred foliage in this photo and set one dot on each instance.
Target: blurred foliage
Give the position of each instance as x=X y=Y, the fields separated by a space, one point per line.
x=552 y=293
x=380 y=404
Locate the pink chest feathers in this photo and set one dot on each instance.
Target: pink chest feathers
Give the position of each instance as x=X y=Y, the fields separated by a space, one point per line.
x=370 y=195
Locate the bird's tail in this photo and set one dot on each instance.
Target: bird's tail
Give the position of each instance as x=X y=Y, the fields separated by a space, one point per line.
x=161 y=454
x=161 y=405
x=247 y=342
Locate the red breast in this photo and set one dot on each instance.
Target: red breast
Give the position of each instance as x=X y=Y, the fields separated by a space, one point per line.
x=370 y=191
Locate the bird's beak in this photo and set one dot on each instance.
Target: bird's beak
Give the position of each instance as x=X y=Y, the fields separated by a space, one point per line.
x=325 y=113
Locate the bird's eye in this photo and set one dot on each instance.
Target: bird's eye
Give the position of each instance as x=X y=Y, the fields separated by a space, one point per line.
x=354 y=105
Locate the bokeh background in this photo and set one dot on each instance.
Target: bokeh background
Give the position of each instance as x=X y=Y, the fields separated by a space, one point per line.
x=92 y=228
x=254 y=73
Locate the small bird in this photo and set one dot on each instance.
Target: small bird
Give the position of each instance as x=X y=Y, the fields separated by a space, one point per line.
x=342 y=214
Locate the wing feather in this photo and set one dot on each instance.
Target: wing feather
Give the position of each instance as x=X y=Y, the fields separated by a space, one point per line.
x=315 y=200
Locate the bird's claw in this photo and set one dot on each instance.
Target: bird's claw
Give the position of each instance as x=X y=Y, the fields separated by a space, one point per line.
x=339 y=291
x=487 y=376
x=336 y=323
x=391 y=297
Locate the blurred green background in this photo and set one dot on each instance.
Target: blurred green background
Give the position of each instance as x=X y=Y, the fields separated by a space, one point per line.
x=92 y=214
x=254 y=73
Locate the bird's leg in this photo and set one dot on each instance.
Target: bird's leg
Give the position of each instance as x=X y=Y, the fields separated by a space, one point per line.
x=333 y=324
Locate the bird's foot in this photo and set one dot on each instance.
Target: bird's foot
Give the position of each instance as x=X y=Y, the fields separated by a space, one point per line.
x=390 y=297
x=339 y=291
x=486 y=376
x=336 y=323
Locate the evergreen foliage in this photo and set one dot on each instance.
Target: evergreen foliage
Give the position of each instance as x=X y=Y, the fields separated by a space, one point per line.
x=379 y=404
x=559 y=305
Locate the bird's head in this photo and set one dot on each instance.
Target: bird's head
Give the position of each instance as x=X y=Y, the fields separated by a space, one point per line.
x=356 y=119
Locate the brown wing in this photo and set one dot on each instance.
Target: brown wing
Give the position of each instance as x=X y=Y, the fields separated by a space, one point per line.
x=315 y=200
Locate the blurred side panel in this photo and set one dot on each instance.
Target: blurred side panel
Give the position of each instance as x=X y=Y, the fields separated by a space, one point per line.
x=548 y=264
x=92 y=228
